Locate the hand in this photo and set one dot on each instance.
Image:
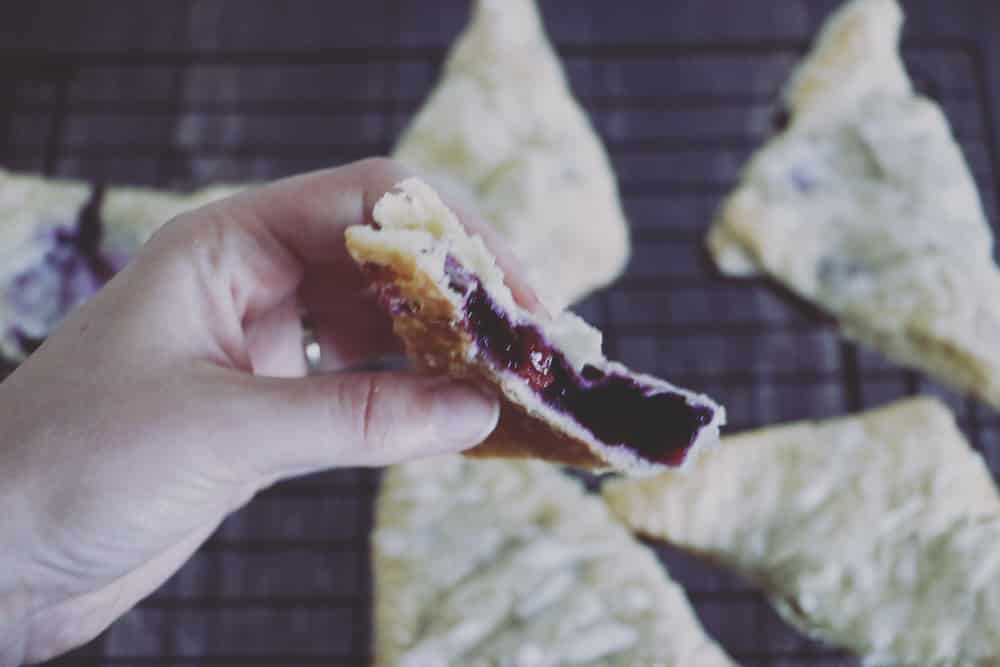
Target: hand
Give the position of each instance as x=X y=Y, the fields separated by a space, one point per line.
x=177 y=393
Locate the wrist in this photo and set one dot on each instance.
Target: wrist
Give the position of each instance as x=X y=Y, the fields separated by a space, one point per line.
x=22 y=592
x=33 y=622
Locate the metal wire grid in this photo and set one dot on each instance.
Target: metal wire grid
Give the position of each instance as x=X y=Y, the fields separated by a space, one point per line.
x=286 y=580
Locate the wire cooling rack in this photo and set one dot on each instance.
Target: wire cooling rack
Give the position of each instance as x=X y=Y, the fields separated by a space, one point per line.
x=286 y=581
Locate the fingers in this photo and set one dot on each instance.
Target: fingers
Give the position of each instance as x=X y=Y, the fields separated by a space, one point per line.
x=308 y=213
x=360 y=419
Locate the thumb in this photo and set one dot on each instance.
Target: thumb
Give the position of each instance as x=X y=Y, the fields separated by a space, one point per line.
x=364 y=419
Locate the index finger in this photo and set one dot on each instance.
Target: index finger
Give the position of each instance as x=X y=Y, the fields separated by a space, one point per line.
x=308 y=215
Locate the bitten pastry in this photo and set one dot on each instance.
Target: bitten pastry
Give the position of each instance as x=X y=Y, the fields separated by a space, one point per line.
x=503 y=125
x=511 y=563
x=61 y=240
x=854 y=526
x=562 y=400
x=865 y=206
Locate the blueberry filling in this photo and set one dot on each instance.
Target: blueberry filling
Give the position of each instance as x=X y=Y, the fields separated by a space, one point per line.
x=658 y=426
x=781 y=119
x=28 y=344
x=89 y=231
x=802 y=179
x=72 y=270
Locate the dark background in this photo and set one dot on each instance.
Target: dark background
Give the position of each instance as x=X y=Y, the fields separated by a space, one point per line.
x=189 y=92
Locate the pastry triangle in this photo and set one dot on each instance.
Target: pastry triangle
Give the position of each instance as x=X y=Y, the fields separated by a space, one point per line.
x=499 y=562
x=502 y=124
x=845 y=524
x=865 y=206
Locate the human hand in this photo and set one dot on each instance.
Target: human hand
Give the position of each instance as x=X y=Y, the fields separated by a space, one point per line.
x=177 y=392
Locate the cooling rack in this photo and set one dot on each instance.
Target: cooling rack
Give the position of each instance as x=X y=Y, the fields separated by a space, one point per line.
x=286 y=581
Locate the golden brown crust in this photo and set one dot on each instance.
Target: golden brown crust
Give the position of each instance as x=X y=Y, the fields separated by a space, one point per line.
x=519 y=435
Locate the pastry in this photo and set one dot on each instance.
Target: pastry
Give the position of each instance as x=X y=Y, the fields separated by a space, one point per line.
x=562 y=400
x=845 y=523
x=865 y=206
x=503 y=125
x=62 y=240
x=480 y=563
x=48 y=262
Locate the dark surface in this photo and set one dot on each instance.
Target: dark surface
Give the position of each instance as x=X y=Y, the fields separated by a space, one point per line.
x=194 y=91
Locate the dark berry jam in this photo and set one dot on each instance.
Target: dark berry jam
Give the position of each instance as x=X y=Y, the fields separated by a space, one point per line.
x=459 y=278
x=658 y=426
x=89 y=230
x=780 y=119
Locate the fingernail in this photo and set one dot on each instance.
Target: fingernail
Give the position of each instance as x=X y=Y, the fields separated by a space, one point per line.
x=463 y=415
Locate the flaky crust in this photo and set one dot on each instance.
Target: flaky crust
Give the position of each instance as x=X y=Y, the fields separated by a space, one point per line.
x=502 y=123
x=846 y=524
x=417 y=232
x=496 y=562
x=865 y=206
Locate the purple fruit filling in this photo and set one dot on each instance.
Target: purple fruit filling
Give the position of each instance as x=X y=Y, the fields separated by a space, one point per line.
x=89 y=231
x=27 y=343
x=658 y=426
x=781 y=119
x=72 y=270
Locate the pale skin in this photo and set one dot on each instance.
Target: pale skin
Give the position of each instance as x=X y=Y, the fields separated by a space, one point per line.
x=180 y=390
